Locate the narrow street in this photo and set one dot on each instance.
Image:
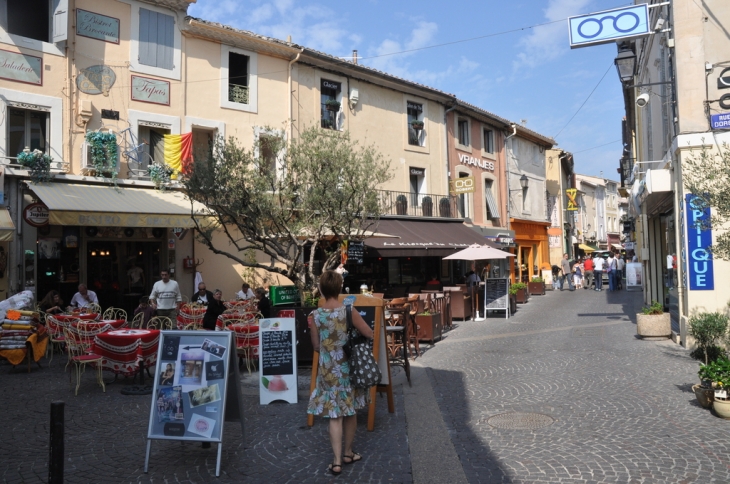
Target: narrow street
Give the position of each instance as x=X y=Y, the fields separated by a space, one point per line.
x=561 y=392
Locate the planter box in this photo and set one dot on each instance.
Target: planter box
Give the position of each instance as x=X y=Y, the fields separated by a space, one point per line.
x=429 y=327
x=536 y=288
x=654 y=325
x=512 y=304
x=522 y=296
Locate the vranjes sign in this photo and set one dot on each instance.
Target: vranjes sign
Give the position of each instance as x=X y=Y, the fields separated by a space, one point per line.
x=470 y=160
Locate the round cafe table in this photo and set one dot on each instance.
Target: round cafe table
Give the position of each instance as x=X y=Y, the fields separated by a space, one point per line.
x=66 y=318
x=102 y=325
x=228 y=318
x=127 y=351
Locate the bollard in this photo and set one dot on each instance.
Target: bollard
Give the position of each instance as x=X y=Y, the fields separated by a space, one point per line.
x=55 y=456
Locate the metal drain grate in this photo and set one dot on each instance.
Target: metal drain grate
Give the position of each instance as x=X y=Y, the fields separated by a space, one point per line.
x=520 y=421
x=587 y=332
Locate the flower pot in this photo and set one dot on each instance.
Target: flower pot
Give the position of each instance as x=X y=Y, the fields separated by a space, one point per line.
x=444 y=208
x=401 y=205
x=522 y=296
x=429 y=327
x=512 y=304
x=705 y=396
x=654 y=325
x=536 y=288
x=427 y=208
x=722 y=408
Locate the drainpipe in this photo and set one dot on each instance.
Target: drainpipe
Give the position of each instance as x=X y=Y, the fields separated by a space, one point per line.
x=446 y=138
x=291 y=124
x=506 y=169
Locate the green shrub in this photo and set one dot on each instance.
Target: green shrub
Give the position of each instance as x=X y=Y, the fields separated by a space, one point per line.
x=706 y=329
x=537 y=279
x=655 y=308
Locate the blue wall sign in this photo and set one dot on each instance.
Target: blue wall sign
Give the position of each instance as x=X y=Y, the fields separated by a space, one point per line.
x=699 y=260
x=720 y=121
x=608 y=26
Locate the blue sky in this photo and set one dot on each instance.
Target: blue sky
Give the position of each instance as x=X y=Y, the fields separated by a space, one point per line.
x=530 y=74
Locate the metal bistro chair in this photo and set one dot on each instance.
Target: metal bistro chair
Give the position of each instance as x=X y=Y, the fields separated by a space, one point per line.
x=80 y=357
x=115 y=314
x=397 y=334
x=55 y=335
x=159 y=322
x=137 y=321
x=93 y=308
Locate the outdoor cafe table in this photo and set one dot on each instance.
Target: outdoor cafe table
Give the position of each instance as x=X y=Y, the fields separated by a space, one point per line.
x=245 y=327
x=127 y=351
x=103 y=325
x=190 y=315
x=66 y=318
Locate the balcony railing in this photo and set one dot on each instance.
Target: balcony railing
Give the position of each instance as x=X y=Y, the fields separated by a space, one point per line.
x=328 y=118
x=238 y=93
x=420 y=204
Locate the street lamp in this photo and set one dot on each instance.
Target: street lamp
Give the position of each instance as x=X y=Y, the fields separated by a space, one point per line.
x=524 y=181
x=625 y=63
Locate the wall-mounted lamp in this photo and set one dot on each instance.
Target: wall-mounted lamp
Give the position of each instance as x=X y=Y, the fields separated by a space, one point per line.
x=625 y=63
x=524 y=182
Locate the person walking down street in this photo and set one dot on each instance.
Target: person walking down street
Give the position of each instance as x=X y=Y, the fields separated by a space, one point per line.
x=333 y=396
x=588 y=272
x=215 y=309
x=611 y=269
x=567 y=273
x=556 y=277
x=84 y=297
x=578 y=275
x=621 y=266
x=598 y=264
x=166 y=297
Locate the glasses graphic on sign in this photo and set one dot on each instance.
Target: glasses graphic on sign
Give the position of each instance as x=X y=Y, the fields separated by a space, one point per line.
x=608 y=25
x=462 y=185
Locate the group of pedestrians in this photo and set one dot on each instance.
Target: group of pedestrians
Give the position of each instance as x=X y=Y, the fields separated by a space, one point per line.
x=589 y=272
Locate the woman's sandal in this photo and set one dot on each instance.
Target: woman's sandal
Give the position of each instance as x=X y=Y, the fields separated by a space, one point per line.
x=355 y=457
x=332 y=470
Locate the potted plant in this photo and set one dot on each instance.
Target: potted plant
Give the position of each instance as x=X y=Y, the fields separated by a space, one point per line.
x=427 y=206
x=401 y=205
x=429 y=326
x=706 y=329
x=521 y=293
x=512 y=300
x=704 y=391
x=160 y=174
x=103 y=152
x=417 y=125
x=536 y=286
x=444 y=207
x=332 y=105
x=721 y=400
x=653 y=322
x=38 y=164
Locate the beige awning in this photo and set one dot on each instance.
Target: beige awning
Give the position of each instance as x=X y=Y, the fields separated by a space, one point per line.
x=105 y=206
x=7 y=227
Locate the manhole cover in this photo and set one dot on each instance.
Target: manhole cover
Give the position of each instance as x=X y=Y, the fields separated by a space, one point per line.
x=587 y=332
x=520 y=421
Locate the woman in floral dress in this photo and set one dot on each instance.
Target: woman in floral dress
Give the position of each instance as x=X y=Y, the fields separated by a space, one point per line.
x=334 y=397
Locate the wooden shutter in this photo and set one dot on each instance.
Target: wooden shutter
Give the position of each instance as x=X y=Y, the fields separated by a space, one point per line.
x=60 y=20
x=156 y=39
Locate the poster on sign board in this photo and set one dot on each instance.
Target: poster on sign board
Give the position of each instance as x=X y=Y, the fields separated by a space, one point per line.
x=277 y=360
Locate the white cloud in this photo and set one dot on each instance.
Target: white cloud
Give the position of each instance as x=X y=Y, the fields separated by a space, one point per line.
x=548 y=42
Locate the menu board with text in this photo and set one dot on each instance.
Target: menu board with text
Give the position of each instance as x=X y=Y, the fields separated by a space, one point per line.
x=496 y=295
x=277 y=360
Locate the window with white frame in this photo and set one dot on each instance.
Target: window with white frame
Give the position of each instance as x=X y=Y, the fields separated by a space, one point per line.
x=27 y=128
x=331 y=103
x=488 y=140
x=239 y=79
x=415 y=123
x=462 y=131
x=492 y=209
x=42 y=20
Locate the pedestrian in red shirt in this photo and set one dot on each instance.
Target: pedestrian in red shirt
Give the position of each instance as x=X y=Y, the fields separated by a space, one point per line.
x=588 y=273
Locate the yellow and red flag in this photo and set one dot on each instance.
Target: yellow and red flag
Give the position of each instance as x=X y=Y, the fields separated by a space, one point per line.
x=179 y=152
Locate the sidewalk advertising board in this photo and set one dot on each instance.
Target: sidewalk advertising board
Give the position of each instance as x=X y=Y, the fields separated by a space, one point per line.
x=634 y=276
x=277 y=360
x=496 y=296
x=197 y=388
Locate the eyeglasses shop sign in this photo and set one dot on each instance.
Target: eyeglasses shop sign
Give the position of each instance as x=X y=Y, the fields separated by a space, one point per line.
x=608 y=26
x=36 y=214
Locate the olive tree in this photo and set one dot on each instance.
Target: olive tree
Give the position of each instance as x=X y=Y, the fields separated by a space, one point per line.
x=287 y=200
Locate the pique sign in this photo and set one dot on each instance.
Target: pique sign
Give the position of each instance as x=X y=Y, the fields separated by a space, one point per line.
x=699 y=237
x=36 y=214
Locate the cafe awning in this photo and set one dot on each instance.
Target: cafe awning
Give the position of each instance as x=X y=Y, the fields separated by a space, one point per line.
x=418 y=238
x=587 y=248
x=104 y=206
x=7 y=227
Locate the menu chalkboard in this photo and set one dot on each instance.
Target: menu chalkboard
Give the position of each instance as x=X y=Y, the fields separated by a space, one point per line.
x=277 y=356
x=496 y=294
x=356 y=252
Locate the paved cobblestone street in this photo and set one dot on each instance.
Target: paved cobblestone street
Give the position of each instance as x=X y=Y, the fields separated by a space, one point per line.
x=572 y=394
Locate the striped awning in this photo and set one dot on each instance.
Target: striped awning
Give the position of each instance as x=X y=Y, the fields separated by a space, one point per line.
x=7 y=227
x=104 y=206
x=587 y=248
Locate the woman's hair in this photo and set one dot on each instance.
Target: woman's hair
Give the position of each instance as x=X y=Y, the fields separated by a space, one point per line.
x=217 y=291
x=48 y=300
x=330 y=284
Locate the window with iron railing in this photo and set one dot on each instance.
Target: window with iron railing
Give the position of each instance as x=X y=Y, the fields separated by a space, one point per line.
x=237 y=78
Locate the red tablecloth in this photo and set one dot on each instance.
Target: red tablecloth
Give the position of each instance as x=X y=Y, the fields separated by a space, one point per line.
x=123 y=349
x=103 y=325
x=65 y=318
x=247 y=336
x=189 y=315
x=226 y=319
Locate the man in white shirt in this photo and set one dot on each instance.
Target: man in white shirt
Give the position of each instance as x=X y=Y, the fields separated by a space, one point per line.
x=84 y=297
x=612 y=268
x=245 y=292
x=166 y=297
x=620 y=273
x=598 y=264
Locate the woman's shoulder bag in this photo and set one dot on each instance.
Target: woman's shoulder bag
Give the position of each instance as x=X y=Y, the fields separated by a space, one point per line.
x=364 y=370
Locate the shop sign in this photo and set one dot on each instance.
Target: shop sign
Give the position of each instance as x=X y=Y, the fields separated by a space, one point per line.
x=179 y=232
x=21 y=67
x=699 y=238
x=723 y=82
x=152 y=91
x=572 y=193
x=470 y=160
x=96 y=80
x=608 y=26
x=418 y=171
x=414 y=106
x=97 y=26
x=331 y=85
x=720 y=121
x=629 y=245
x=461 y=185
x=36 y=214
x=283 y=295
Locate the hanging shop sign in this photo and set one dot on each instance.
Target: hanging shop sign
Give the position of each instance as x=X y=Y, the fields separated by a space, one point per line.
x=572 y=193
x=608 y=26
x=179 y=232
x=720 y=121
x=414 y=106
x=723 y=82
x=23 y=68
x=461 y=185
x=97 y=26
x=36 y=214
x=470 y=160
x=152 y=91
x=699 y=238
x=96 y=80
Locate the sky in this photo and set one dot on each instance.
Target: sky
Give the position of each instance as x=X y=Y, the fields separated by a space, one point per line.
x=497 y=57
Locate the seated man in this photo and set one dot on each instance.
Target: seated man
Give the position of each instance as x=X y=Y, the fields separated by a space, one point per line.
x=264 y=302
x=203 y=296
x=84 y=297
x=245 y=292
